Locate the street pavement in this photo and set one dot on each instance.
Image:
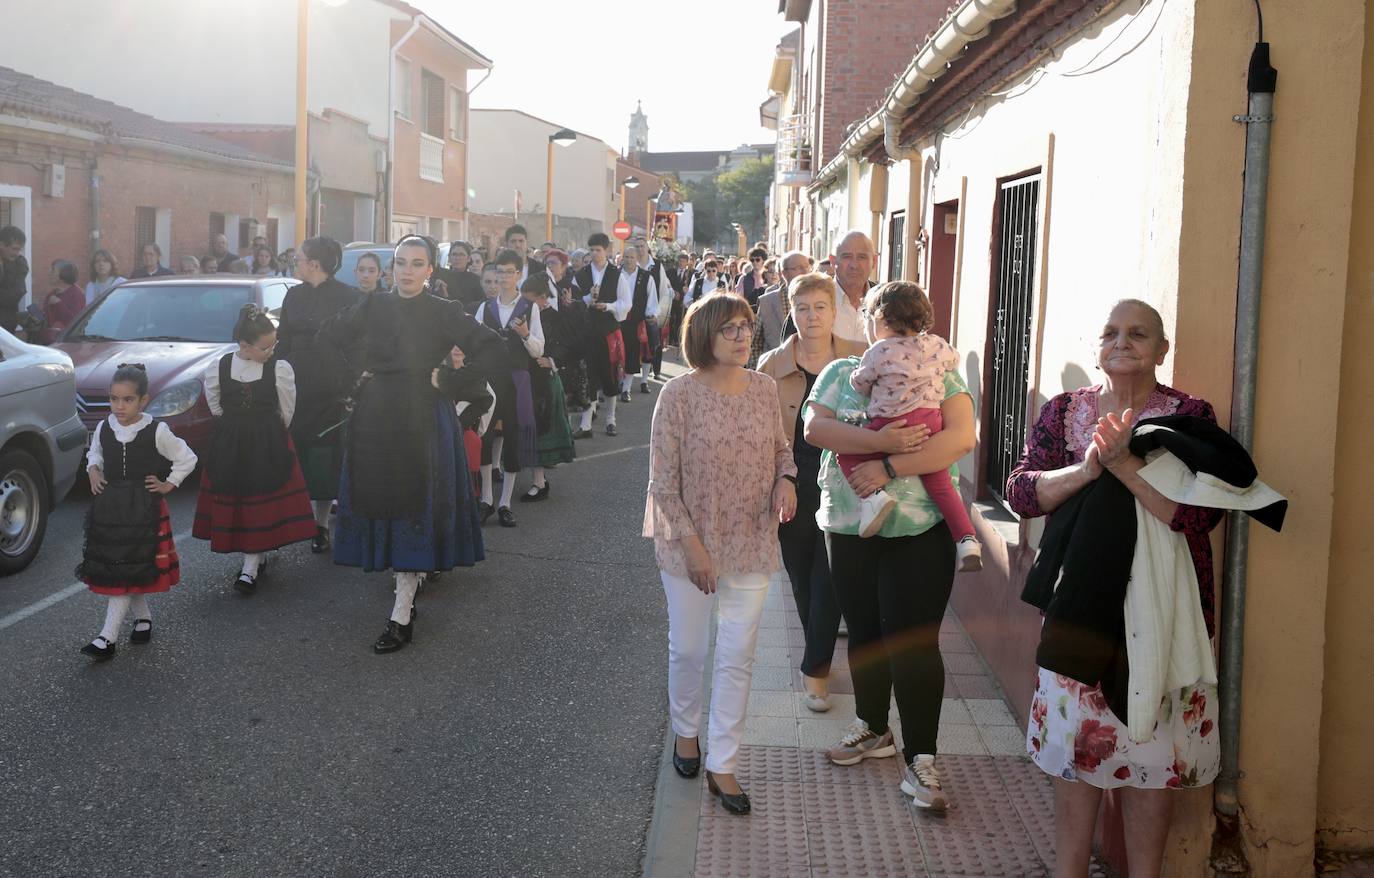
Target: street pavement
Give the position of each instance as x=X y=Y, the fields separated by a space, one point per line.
x=520 y=734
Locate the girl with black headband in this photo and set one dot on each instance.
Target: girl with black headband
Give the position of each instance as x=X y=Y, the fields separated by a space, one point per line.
x=133 y=462
x=252 y=495
x=323 y=378
x=405 y=500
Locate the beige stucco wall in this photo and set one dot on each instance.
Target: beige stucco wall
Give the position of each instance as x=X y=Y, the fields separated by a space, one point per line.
x=510 y=152
x=1345 y=810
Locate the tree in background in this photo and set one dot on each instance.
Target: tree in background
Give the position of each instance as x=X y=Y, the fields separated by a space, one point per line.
x=738 y=195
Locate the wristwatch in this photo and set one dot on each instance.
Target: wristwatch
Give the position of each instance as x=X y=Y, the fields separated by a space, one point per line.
x=792 y=479
x=887 y=468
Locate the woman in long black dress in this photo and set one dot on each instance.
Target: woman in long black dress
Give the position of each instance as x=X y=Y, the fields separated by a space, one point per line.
x=323 y=377
x=405 y=502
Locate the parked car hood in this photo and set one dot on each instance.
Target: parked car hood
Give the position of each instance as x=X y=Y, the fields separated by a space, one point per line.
x=167 y=363
x=30 y=366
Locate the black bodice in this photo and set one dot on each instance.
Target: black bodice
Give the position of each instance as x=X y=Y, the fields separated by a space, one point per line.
x=135 y=460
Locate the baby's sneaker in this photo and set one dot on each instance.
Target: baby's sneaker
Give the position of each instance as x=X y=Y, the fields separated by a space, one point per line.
x=873 y=511
x=970 y=555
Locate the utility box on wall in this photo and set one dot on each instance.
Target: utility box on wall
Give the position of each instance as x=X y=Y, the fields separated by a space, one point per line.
x=55 y=181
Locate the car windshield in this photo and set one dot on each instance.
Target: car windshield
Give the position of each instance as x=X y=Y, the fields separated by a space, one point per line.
x=164 y=312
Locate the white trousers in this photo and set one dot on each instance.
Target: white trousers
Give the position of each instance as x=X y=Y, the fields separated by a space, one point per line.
x=689 y=635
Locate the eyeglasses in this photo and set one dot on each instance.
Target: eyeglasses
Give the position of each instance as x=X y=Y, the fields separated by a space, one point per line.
x=733 y=331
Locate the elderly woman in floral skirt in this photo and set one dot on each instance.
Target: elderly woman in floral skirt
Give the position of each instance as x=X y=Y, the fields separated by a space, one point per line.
x=1073 y=736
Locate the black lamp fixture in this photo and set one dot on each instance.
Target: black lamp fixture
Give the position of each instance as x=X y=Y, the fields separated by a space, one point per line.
x=563 y=137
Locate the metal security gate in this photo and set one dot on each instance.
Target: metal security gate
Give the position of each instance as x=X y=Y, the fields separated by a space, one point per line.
x=1009 y=340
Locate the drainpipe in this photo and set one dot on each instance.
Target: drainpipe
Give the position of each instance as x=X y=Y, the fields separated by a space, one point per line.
x=1228 y=855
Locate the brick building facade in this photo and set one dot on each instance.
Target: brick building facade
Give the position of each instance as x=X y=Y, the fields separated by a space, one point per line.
x=153 y=181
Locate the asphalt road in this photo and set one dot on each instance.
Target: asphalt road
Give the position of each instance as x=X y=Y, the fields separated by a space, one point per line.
x=519 y=734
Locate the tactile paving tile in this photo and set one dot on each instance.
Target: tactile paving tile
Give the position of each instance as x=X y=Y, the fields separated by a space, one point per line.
x=768 y=763
x=856 y=849
x=979 y=801
x=958 y=852
x=768 y=800
x=816 y=768
x=729 y=846
x=881 y=806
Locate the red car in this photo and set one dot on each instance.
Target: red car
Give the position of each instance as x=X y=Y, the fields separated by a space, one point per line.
x=176 y=327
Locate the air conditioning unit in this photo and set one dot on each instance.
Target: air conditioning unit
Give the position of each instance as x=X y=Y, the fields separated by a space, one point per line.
x=55 y=181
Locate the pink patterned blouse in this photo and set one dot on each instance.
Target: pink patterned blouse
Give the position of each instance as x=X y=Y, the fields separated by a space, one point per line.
x=1061 y=437
x=713 y=461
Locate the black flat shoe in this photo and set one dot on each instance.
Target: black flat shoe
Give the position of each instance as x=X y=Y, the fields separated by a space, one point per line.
x=610 y=429
x=686 y=766
x=319 y=543
x=734 y=804
x=582 y=434
x=505 y=516
x=246 y=584
x=625 y=396
x=395 y=636
x=487 y=510
x=99 y=653
x=137 y=636
x=534 y=495
x=643 y=387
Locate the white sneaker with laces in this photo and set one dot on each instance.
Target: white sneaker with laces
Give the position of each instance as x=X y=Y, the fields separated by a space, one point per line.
x=860 y=743
x=921 y=781
x=873 y=511
x=970 y=558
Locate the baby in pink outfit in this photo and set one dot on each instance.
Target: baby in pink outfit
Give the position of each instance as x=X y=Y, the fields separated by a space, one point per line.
x=903 y=376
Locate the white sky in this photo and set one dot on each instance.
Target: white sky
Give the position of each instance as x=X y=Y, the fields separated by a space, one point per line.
x=584 y=63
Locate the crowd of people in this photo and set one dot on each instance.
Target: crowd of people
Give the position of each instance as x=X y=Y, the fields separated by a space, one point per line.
x=815 y=432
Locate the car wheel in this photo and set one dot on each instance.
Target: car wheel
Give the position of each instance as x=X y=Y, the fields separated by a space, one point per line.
x=23 y=509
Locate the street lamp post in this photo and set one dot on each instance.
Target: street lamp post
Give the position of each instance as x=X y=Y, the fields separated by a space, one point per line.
x=303 y=114
x=742 y=242
x=562 y=137
x=627 y=183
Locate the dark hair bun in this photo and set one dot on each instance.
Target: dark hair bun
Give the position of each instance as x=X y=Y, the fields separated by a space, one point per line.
x=139 y=366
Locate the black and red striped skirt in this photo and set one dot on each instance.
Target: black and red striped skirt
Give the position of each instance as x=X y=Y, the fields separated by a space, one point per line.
x=253 y=525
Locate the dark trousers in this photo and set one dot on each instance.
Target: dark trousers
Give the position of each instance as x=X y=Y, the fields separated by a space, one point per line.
x=675 y=321
x=804 y=557
x=893 y=592
x=655 y=333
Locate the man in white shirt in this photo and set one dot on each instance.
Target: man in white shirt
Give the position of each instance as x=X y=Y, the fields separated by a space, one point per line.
x=707 y=282
x=642 y=289
x=854 y=260
x=599 y=285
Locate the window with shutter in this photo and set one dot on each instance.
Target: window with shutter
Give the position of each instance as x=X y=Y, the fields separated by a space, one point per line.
x=432 y=97
x=145 y=228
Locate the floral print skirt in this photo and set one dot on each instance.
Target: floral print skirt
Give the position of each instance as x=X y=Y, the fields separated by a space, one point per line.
x=1074 y=735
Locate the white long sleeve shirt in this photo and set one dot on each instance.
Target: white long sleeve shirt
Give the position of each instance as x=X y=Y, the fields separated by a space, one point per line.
x=624 y=295
x=246 y=372
x=168 y=445
x=627 y=289
x=534 y=342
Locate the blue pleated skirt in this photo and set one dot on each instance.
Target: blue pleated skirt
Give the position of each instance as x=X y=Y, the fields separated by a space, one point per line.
x=447 y=534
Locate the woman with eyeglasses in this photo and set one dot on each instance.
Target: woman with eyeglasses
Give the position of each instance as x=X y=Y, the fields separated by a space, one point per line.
x=752 y=283
x=721 y=479
x=252 y=494
x=405 y=501
x=323 y=379
x=709 y=281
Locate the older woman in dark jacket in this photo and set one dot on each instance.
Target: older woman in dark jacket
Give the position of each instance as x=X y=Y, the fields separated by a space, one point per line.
x=1074 y=736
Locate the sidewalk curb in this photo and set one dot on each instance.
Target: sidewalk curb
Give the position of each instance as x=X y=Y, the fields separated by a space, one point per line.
x=670 y=850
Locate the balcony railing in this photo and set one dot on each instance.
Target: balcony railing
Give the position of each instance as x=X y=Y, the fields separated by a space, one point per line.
x=431 y=158
x=793 y=162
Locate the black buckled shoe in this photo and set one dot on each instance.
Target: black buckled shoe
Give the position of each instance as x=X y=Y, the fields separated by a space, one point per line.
x=246 y=584
x=625 y=396
x=395 y=636
x=610 y=429
x=643 y=387
x=735 y=804
x=686 y=766
x=505 y=516
x=319 y=543
x=486 y=510
x=535 y=495
x=97 y=652
x=141 y=635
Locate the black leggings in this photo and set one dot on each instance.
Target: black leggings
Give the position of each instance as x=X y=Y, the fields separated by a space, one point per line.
x=893 y=592
x=803 y=554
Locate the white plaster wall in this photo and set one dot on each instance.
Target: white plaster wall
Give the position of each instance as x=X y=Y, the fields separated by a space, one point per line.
x=192 y=62
x=1115 y=195
x=510 y=151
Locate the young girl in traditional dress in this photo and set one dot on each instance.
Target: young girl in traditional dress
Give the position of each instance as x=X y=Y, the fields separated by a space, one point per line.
x=132 y=463
x=252 y=494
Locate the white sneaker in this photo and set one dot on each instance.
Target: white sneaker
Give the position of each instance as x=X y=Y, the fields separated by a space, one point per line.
x=970 y=558
x=873 y=511
x=921 y=781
